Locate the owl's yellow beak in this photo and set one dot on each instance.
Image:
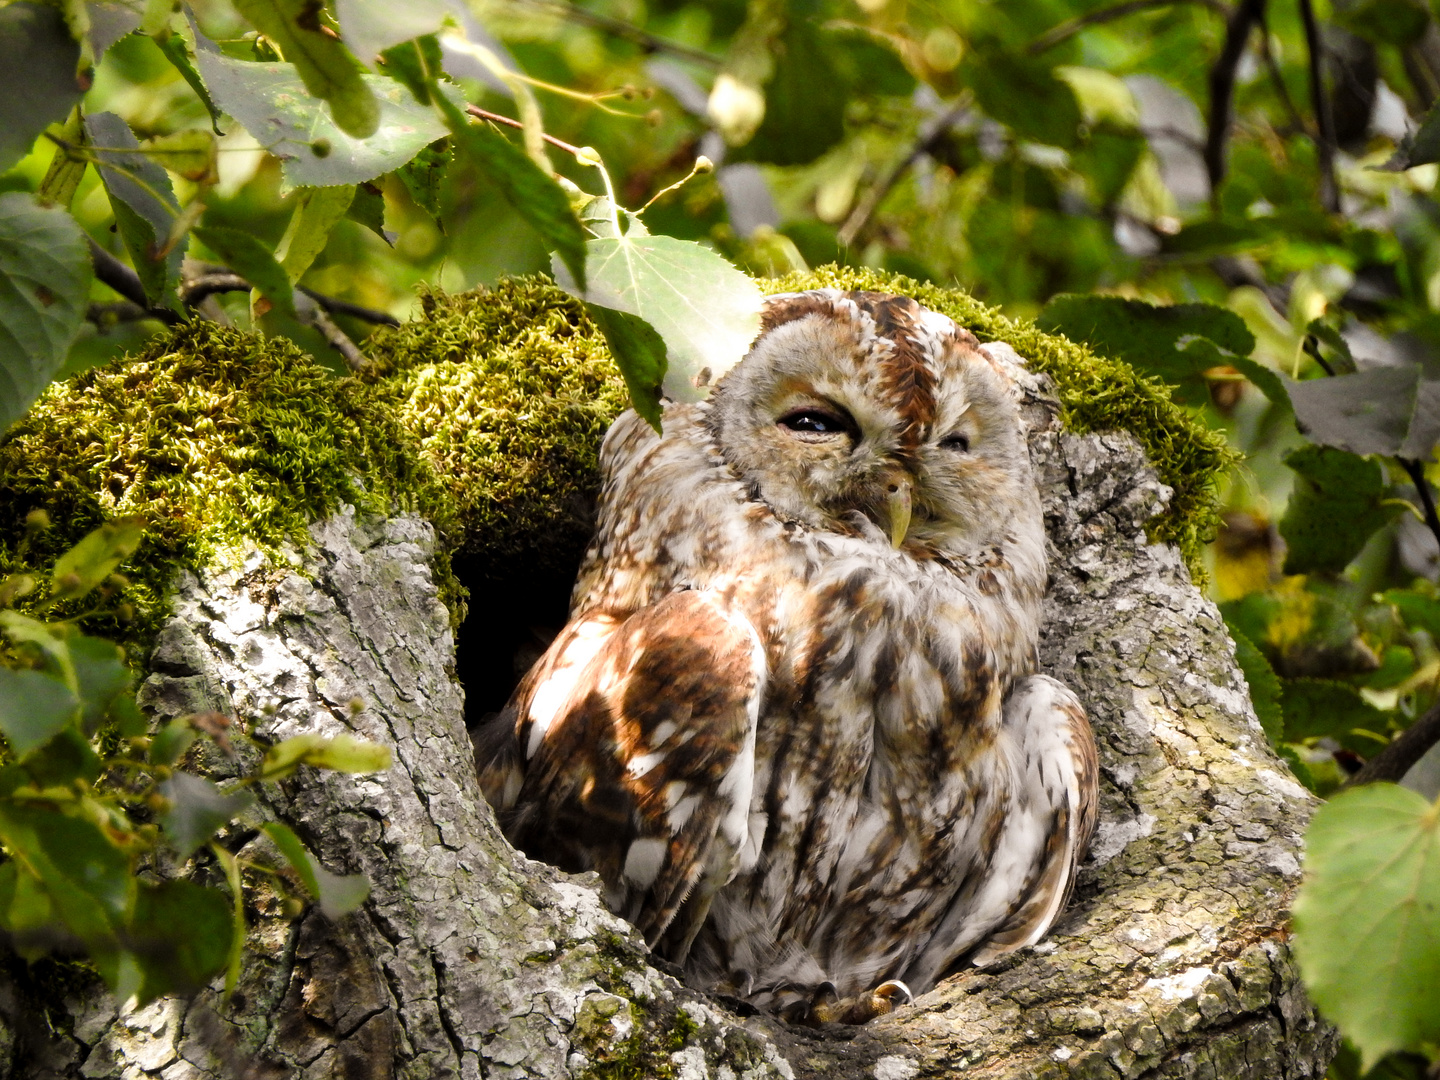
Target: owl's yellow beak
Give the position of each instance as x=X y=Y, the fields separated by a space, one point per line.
x=897 y=506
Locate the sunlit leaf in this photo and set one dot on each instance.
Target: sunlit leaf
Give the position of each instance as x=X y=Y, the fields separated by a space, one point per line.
x=67 y=167
x=45 y=280
x=326 y=67
x=344 y=753
x=317 y=211
x=705 y=310
x=143 y=202
x=191 y=154
x=243 y=252
x=536 y=197
x=34 y=708
x=338 y=895
x=95 y=557
x=180 y=935
x=197 y=809
x=1367 y=918
x=231 y=866
x=270 y=102
x=1334 y=508
x=38 y=82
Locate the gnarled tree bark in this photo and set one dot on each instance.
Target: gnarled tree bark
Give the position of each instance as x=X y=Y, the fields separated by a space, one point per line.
x=470 y=960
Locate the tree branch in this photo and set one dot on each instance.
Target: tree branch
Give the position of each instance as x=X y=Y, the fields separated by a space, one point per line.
x=1416 y=472
x=213 y=279
x=313 y=314
x=627 y=31
x=1066 y=30
x=1392 y=763
x=1222 y=88
x=1324 y=121
x=1268 y=54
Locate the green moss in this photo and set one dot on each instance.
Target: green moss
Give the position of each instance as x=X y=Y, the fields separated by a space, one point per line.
x=215 y=437
x=508 y=392
x=1096 y=394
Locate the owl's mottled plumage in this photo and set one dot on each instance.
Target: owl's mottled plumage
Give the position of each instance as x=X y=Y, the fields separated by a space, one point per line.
x=806 y=761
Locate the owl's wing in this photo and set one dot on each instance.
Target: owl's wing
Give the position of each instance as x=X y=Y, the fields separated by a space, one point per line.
x=1059 y=796
x=630 y=751
x=1044 y=834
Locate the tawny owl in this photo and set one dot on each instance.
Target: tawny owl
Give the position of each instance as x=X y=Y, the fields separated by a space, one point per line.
x=794 y=721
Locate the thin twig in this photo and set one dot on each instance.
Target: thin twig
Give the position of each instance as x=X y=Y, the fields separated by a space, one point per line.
x=1416 y=472
x=312 y=314
x=1222 y=88
x=1276 y=77
x=871 y=202
x=1320 y=101
x=344 y=307
x=103 y=312
x=483 y=114
x=628 y=32
x=1403 y=751
x=1066 y=30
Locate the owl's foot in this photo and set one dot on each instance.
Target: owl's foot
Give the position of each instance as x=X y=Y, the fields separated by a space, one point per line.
x=826 y=1006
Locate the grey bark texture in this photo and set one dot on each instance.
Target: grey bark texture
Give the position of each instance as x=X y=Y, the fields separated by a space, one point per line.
x=470 y=960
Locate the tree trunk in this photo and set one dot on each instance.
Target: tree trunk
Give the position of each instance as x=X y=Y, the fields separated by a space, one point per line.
x=470 y=960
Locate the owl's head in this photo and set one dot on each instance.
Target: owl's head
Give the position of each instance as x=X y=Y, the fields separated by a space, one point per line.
x=869 y=403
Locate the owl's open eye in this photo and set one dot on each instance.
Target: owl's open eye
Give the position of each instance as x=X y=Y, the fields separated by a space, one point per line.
x=813 y=421
x=959 y=442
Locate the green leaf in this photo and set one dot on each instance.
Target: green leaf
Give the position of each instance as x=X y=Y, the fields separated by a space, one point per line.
x=422 y=176
x=88 y=880
x=181 y=55
x=143 y=202
x=338 y=895
x=639 y=352
x=67 y=167
x=34 y=708
x=101 y=674
x=1315 y=708
x=368 y=209
x=1367 y=918
x=1383 y=410
x=242 y=252
x=45 y=280
x=1334 y=509
x=180 y=935
x=95 y=557
x=171 y=742
x=323 y=63
x=535 y=196
x=705 y=310
x=197 y=809
x=191 y=154
x=1385 y=22
x=63 y=760
x=1177 y=344
x=344 y=753
x=270 y=102
x=416 y=64
x=49 y=638
x=1264 y=686
x=38 y=81
x=1024 y=95
x=231 y=866
x=317 y=211
x=130 y=722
